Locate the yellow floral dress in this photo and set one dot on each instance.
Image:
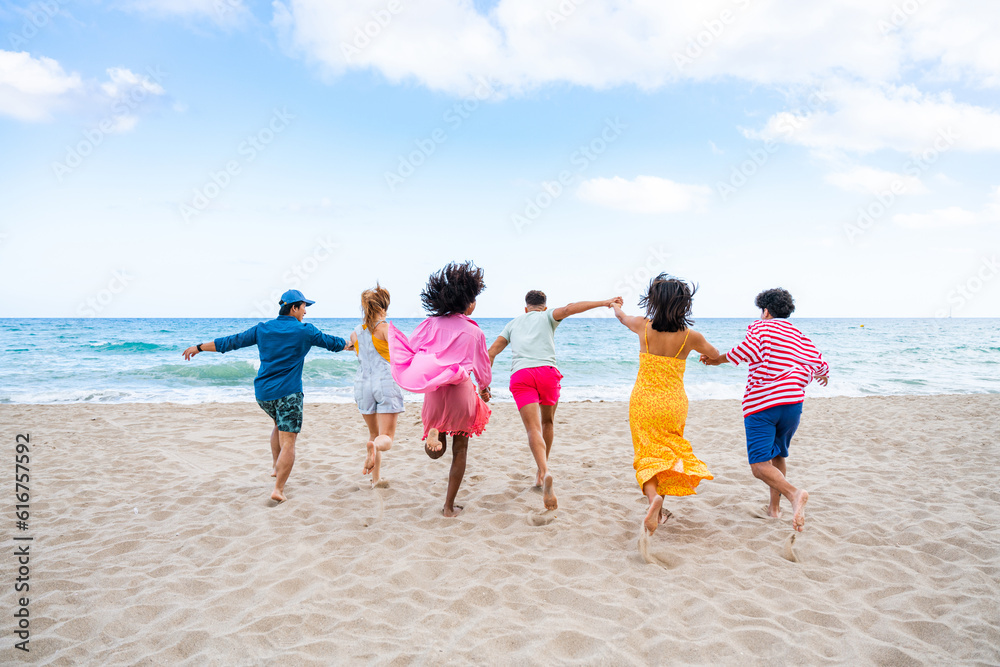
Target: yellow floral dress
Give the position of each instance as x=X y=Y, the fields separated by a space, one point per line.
x=657 y=412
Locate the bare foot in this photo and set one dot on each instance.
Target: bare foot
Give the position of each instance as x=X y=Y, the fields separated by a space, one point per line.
x=538 y=479
x=433 y=443
x=773 y=512
x=799 y=509
x=652 y=520
x=274 y=473
x=548 y=497
x=454 y=511
x=370 y=460
x=278 y=496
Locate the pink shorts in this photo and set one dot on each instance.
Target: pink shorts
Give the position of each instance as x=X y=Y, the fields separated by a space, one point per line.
x=536 y=385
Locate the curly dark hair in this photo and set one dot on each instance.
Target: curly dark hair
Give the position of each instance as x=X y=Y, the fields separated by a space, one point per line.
x=452 y=289
x=668 y=303
x=534 y=298
x=778 y=301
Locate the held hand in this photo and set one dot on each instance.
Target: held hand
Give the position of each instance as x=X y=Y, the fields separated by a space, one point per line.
x=822 y=379
x=617 y=301
x=485 y=394
x=190 y=352
x=350 y=347
x=711 y=361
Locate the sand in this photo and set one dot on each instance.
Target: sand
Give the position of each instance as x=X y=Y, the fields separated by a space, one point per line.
x=156 y=543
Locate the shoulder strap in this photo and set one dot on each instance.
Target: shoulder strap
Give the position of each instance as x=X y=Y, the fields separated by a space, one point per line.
x=686 y=334
x=645 y=334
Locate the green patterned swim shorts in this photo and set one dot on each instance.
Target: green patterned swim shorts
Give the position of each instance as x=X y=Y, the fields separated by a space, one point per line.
x=285 y=411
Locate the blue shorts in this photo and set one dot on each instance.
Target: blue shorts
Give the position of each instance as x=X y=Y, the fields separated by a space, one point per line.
x=769 y=432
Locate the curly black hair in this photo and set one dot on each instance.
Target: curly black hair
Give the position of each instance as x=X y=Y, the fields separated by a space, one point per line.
x=534 y=298
x=778 y=301
x=668 y=303
x=452 y=289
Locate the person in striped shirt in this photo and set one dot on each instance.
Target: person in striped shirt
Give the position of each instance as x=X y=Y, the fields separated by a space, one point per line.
x=781 y=361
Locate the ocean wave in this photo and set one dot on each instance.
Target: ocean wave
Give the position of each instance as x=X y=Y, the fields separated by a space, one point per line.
x=131 y=347
x=233 y=372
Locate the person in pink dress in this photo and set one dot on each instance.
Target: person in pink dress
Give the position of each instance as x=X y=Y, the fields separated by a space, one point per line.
x=436 y=361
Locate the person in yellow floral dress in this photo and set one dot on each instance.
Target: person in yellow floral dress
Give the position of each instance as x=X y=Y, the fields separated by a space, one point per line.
x=664 y=463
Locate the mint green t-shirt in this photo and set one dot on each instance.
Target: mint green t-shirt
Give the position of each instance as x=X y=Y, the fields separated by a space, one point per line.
x=532 y=340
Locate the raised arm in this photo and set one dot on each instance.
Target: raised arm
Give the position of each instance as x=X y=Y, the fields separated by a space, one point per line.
x=577 y=307
x=635 y=323
x=498 y=346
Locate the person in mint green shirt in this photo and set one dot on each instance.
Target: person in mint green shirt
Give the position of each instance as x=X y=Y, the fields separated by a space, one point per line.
x=534 y=379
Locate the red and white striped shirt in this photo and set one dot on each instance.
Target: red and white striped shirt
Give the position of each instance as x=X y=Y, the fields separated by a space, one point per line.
x=781 y=363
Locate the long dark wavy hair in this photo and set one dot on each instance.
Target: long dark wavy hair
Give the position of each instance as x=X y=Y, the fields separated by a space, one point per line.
x=452 y=289
x=668 y=303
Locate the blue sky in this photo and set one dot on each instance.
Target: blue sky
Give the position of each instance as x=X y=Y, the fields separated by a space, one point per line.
x=746 y=166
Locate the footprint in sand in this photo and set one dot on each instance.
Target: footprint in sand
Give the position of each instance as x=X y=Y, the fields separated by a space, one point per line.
x=760 y=512
x=541 y=519
x=788 y=549
x=657 y=557
x=381 y=484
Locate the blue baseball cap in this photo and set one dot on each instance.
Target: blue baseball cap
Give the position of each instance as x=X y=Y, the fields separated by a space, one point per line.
x=294 y=296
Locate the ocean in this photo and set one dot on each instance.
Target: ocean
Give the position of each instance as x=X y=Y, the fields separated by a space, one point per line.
x=139 y=360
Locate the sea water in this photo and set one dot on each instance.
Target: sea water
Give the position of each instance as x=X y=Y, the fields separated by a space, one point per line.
x=139 y=360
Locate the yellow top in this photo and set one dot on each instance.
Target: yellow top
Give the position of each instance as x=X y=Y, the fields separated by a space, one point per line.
x=381 y=346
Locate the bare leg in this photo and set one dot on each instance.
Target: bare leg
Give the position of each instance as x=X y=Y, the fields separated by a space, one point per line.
x=773 y=508
x=275 y=450
x=372 y=423
x=548 y=427
x=771 y=475
x=654 y=517
x=283 y=466
x=459 y=449
x=383 y=441
x=531 y=417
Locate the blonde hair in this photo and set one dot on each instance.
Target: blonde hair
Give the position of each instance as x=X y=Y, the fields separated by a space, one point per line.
x=373 y=302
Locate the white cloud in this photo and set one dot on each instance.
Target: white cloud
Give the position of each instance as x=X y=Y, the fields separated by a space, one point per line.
x=952 y=216
x=32 y=88
x=646 y=194
x=522 y=44
x=871 y=180
x=863 y=119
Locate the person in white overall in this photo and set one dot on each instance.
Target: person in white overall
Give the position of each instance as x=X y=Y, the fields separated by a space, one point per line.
x=379 y=398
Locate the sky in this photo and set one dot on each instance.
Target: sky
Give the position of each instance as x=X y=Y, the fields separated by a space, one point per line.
x=196 y=158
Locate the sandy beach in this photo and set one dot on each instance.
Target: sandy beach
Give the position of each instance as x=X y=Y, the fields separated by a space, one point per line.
x=155 y=542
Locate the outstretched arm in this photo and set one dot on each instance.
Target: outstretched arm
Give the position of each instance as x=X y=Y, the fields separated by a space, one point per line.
x=193 y=350
x=225 y=343
x=560 y=314
x=498 y=346
x=635 y=323
x=697 y=342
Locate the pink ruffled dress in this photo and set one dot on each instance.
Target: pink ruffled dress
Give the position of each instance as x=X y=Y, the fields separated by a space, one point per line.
x=436 y=361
